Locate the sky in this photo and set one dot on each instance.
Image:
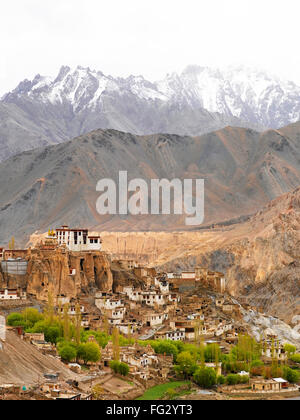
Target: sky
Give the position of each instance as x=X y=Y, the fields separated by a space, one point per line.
x=147 y=37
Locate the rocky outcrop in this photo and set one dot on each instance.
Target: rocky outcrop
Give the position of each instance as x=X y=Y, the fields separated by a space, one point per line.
x=63 y=272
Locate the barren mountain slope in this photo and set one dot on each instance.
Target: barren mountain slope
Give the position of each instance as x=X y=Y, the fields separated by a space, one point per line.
x=22 y=364
x=243 y=170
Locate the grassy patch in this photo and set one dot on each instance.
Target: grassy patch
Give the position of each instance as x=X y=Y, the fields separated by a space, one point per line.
x=157 y=392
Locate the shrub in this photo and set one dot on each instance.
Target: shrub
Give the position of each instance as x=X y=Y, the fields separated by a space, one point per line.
x=119 y=367
x=237 y=379
x=221 y=380
x=232 y=379
x=171 y=394
x=123 y=369
x=243 y=379
x=114 y=365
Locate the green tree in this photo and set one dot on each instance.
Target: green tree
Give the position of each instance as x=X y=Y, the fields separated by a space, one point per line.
x=67 y=353
x=291 y=375
x=116 y=344
x=12 y=244
x=295 y=358
x=50 y=311
x=32 y=316
x=212 y=353
x=66 y=323
x=52 y=334
x=205 y=377
x=89 y=352
x=114 y=365
x=15 y=320
x=185 y=364
x=166 y=347
x=289 y=349
x=77 y=324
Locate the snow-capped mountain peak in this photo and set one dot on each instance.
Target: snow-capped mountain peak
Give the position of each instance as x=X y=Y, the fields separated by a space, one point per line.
x=250 y=95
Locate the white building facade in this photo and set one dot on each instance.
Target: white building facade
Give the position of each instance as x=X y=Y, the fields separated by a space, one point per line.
x=78 y=240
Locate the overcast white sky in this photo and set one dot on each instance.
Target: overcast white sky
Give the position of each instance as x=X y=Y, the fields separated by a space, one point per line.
x=148 y=37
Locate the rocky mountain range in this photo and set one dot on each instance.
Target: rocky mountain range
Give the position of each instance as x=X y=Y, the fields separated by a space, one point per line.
x=47 y=111
x=243 y=170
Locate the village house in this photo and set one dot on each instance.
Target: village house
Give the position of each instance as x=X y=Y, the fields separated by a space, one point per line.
x=222 y=328
x=188 y=275
x=269 y=385
x=115 y=316
x=163 y=285
x=274 y=350
x=152 y=298
x=12 y=294
x=30 y=337
x=154 y=319
x=173 y=335
x=127 y=329
x=108 y=302
x=72 y=309
x=38 y=340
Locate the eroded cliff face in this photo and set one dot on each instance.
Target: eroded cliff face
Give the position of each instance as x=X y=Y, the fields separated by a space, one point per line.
x=50 y=271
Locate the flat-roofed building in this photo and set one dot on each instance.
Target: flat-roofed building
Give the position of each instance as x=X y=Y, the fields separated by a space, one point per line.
x=78 y=240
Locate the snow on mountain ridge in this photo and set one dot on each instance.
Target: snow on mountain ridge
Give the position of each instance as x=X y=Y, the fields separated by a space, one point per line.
x=250 y=95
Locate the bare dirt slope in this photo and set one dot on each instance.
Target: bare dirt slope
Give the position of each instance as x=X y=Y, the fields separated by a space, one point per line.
x=22 y=364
